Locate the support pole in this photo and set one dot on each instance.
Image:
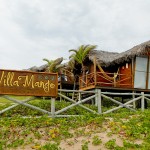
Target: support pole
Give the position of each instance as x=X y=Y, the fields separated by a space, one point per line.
x=95 y=75
x=133 y=72
x=96 y=97
x=99 y=101
x=142 y=101
x=133 y=96
x=60 y=91
x=79 y=96
x=53 y=107
x=93 y=100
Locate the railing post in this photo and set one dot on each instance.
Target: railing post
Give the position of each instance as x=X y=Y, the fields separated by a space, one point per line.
x=99 y=101
x=114 y=80
x=53 y=107
x=142 y=101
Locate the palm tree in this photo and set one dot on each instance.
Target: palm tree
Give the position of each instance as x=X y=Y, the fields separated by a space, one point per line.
x=80 y=54
x=54 y=65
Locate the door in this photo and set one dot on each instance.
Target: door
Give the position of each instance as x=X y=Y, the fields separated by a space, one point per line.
x=140 y=72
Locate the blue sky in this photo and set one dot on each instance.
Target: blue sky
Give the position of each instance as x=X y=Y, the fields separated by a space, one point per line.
x=31 y=30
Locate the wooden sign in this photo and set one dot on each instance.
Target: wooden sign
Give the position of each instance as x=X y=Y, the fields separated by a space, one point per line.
x=28 y=83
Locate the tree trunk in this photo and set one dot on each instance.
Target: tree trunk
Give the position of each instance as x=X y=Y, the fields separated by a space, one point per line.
x=74 y=87
x=83 y=76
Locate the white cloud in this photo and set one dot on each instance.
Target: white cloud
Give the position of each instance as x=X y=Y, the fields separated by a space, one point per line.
x=33 y=30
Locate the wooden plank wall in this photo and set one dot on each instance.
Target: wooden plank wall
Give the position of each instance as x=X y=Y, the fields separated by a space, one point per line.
x=125 y=75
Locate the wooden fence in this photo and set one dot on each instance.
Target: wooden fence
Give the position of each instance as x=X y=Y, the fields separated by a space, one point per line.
x=97 y=96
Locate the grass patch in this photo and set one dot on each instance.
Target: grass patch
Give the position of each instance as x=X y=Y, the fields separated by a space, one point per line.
x=18 y=132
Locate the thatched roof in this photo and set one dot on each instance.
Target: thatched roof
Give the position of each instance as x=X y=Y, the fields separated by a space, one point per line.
x=138 y=50
x=106 y=58
x=109 y=58
x=38 y=69
x=102 y=57
x=56 y=63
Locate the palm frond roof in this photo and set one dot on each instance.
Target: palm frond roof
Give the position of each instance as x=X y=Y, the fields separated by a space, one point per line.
x=111 y=58
x=102 y=57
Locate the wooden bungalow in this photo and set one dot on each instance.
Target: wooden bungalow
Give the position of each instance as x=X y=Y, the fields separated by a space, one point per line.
x=126 y=70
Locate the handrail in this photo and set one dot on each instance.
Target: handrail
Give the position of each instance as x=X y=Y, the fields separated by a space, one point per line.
x=88 y=80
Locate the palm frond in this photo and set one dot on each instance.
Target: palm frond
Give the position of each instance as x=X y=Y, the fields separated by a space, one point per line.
x=45 y=59
x=80 y=54
x=72 y=56
x=87 y=49
x=53 y=63
x=73 y=50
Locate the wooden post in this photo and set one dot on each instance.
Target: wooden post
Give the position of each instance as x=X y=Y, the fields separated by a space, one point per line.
x=132 y=74
x=53 y=107
x=133 y=96
x=95 y=75
x=93 y=100
x=142 y=101
x=99 y=101
x=60 y=91
x=147 y=78
x=79 y=96
x=96 y=98
x=114 y=80
x=86 y=80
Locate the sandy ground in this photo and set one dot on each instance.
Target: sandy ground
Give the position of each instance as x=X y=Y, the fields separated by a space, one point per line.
x=77 y=141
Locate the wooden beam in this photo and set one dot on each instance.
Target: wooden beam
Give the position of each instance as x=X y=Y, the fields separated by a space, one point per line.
x=95 y=76
x=132 y=73
x=147 y=78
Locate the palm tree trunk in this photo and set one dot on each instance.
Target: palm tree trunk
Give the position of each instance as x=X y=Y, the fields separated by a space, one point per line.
x=83 y=76
x=74 y=87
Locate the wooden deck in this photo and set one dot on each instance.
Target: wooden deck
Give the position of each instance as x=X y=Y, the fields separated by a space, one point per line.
x=122 y=82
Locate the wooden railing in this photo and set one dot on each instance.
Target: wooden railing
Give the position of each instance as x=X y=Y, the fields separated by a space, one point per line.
x=122 y=80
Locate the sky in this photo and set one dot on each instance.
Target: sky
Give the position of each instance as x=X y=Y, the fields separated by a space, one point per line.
x=31 y=30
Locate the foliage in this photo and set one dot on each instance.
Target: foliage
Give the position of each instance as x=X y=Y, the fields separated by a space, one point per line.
x=96 y=140
x=54 y=65
x=50 y=146
x=80 y=54
x=131 y=145
x=85 y=146
x=16 y=131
